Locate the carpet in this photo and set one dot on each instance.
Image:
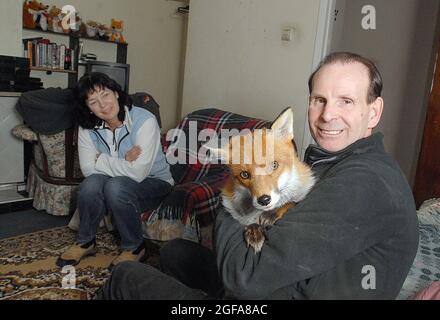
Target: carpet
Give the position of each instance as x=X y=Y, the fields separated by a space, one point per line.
x=28 y=270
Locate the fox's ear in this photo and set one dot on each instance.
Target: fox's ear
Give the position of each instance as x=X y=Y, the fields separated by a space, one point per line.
x=283 y=124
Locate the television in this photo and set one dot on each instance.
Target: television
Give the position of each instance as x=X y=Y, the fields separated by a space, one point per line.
x=119 y=72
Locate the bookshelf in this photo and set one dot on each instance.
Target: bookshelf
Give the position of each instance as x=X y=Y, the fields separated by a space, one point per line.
x=52 y=70
x=74 y=39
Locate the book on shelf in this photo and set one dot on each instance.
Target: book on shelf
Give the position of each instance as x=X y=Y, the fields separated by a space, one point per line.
x=62 y=56
x=42 y=53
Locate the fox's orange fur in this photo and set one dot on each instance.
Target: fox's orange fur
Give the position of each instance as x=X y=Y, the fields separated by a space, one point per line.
x=260 y=192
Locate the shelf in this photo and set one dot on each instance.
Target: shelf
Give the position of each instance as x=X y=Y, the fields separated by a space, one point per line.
x=52 y=70
x=75 y=36
x=74 y=39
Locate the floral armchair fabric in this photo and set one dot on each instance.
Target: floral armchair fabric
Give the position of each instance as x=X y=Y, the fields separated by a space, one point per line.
x=52 y=181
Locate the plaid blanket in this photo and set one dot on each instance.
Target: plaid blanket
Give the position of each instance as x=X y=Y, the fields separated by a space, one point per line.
x=192 y=203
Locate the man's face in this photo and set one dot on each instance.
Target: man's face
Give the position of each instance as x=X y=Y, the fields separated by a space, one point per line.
x=338 y=110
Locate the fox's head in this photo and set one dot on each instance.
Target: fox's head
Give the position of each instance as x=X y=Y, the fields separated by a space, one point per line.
x=266 y=172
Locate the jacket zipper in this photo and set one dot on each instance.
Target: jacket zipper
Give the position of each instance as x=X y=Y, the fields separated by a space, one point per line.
x=126 y=134
x=102 y=139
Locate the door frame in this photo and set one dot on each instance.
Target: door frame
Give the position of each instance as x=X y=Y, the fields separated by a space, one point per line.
x=323 y=41
x=423 y=180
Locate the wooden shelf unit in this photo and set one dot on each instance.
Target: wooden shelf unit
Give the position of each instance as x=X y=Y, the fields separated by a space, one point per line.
x=52 y=70
x=121 y=54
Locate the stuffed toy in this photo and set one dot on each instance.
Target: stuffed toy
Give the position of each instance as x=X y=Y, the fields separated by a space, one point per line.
x=43 y=16
x=104 y=33
x=117 y=27
x=33 y=14
x=76 y=27
x=92 y=29
x=78 y=23
x=82 y=29
x=55 y=19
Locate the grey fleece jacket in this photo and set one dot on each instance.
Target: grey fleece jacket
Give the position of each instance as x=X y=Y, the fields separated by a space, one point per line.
x=354 y=236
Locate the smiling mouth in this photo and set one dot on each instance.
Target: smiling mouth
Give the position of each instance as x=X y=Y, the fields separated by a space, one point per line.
x=330 y=132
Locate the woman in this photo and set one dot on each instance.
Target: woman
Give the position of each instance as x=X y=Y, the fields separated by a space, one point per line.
x=123 y=164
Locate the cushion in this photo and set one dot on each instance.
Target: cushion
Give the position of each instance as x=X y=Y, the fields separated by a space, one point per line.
x=426 y=267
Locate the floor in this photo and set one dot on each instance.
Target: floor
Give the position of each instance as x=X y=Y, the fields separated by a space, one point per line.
x=17 y=216
x=20 y=222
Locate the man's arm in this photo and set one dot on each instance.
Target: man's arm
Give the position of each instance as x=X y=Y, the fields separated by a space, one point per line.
x=341 y=217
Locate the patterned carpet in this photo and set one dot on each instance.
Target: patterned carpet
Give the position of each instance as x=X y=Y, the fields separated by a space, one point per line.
x=28 y=270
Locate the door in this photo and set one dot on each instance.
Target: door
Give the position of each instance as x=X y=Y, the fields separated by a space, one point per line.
x=427 y=182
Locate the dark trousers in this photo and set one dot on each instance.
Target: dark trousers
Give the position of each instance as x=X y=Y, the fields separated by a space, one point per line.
x=125 y=198
x=188 y=272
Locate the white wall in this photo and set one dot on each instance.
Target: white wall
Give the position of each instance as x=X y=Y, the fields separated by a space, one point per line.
x=236 y=61
x=153 y=33
x=402 y=46
x=10 y=26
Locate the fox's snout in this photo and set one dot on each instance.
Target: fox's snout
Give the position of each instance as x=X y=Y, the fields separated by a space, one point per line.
x=264 y=200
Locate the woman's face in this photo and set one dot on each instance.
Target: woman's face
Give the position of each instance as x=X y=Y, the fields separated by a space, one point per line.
x=103 y=102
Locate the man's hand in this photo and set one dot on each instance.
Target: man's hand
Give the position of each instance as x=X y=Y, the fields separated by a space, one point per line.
x=133 y=153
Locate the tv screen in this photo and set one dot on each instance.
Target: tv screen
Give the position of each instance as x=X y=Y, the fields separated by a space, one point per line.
x=117 y=71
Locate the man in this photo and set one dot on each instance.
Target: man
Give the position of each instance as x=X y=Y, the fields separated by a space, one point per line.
x=354 y=236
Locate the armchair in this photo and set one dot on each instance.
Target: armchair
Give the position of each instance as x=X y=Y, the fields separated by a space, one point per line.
x=54 y=172
x=189 y=210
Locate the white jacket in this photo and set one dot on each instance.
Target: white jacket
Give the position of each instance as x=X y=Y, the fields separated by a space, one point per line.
x=103 y=152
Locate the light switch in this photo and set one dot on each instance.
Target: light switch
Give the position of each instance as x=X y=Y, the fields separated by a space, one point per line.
x=287 y=34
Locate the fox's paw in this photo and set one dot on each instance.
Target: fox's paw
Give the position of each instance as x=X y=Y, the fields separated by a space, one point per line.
x=268 y=218
x=255 y=236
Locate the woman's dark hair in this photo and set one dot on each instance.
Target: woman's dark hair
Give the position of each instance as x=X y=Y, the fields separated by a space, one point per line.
x=88 y=84
x=376 y=84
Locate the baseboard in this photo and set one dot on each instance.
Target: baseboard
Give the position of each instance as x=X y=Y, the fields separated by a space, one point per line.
x=14 y=200
x=16 y=206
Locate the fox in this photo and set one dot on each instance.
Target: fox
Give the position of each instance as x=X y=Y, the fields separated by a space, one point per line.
x=259 y=193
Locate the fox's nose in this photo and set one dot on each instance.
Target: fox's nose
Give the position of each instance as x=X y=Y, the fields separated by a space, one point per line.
x=264 y=200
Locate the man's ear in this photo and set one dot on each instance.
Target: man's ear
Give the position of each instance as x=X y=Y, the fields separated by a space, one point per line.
x=283 y=124
x=375 y=111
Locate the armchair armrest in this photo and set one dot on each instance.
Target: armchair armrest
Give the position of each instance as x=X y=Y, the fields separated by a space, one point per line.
x=196 y=199
x=23 y=132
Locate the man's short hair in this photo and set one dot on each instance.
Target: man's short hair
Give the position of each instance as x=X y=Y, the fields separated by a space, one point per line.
x=376 y=84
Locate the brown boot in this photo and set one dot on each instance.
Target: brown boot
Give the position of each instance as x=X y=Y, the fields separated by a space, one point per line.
x=140 y=254
x=75 y=253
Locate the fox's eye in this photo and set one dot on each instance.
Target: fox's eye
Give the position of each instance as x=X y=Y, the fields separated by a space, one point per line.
x=244 y=175
x=275 y=165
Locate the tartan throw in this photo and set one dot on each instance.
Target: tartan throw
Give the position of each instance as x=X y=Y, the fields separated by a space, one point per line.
x=193 y=201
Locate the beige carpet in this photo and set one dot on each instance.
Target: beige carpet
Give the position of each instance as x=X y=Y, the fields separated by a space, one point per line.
x=28 y=270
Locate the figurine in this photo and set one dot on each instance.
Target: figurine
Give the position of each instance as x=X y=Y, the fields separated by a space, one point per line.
x=117 y=27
